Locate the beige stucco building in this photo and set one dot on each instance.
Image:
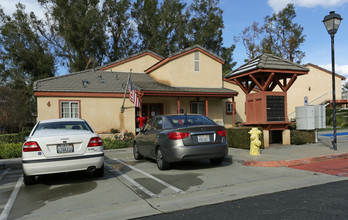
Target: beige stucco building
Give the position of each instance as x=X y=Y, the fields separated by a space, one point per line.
x=189 y=81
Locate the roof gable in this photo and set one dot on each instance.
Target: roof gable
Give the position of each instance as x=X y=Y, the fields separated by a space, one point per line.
x=183 y=53
x=130 y=58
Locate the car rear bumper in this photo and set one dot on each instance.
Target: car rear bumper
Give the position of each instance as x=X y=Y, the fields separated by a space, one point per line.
x=196 y=152
x=60 y=165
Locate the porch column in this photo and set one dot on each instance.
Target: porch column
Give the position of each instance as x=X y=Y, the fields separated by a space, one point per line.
x=206 y=106
x=233 y=113
x=178 y=104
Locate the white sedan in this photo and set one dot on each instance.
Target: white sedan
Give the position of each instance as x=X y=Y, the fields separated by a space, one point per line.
x=62 y=145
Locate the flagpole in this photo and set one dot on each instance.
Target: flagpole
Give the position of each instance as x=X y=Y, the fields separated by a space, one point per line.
x=125 y=91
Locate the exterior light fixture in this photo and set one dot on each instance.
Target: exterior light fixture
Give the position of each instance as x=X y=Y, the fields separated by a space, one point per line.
x=332 y=22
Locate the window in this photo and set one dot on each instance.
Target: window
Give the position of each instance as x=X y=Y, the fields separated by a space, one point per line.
x=196 y=61
x=229 y=108
x=70 y=109
x=197 y=108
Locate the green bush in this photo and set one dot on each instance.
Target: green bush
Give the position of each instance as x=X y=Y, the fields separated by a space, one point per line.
x=240 y=138
x=120 y=141
x=302 y=137
x=14 y=138
x=10 y=150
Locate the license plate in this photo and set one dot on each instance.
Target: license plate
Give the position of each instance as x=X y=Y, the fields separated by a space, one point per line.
x=203 y=138
x=65 y=148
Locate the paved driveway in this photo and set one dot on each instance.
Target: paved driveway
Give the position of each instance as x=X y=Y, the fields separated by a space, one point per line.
x=132 y=188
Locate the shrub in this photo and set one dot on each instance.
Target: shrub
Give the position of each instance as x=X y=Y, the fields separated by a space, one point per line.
x=302 y=137
x=114 y=130
x=10 y=150
x=121 y=141
x=240 y=138
x=14 y=138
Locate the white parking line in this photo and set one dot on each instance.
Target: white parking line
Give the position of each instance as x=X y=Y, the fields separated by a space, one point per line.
x=9 y=204
x=148 y=192
x=150 y=176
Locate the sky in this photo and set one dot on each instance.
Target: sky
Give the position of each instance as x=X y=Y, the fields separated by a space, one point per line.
x=238 y=15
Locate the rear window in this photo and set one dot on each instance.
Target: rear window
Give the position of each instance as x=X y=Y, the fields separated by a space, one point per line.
x=64 y=125
x=188 y=120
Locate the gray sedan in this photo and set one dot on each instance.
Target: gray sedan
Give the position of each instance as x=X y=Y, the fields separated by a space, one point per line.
x=174 y=138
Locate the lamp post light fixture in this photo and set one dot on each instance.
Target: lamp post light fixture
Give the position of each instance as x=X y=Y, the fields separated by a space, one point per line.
x=332 y=22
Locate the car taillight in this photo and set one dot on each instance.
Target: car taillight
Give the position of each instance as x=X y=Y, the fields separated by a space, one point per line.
x=95 y=142
x=178 y=135
x=222 y=133
x=31 y=146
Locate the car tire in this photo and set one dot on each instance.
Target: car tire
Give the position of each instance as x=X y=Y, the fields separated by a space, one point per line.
x=216 y=161
x=162 y=164
x=28 y=180
x=136 y=153
x=99 y=172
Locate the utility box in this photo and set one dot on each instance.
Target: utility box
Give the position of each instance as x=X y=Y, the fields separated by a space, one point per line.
x=305 y=117
x=320 y=116
x=310 y=117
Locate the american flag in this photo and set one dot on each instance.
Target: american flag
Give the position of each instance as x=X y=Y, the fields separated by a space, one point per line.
x=133 y=95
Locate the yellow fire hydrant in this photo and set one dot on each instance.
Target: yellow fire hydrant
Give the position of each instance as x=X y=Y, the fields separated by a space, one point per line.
x=255 y=142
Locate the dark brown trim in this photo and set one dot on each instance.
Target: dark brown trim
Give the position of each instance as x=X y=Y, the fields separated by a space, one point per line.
x=188 y=94
x=267 y=71
x=79 y=94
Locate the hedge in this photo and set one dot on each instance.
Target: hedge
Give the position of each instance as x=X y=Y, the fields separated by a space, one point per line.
x=10 y=150
x=302 y=137
x=14 y=138
x=240 y=138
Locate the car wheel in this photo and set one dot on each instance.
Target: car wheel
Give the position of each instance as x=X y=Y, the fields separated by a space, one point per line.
x=216 y=161
x=99 y=172
x=162 y=164
x=28 y=180
x=136 y=153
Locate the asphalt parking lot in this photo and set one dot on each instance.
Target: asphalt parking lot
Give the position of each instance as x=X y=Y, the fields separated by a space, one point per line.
x=131 y=189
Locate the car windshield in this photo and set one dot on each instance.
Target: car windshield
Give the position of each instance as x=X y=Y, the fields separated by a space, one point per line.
x=188 y=120
x=64 y=125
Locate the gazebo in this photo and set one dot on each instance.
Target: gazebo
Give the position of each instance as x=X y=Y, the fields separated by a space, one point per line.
x=265 y=80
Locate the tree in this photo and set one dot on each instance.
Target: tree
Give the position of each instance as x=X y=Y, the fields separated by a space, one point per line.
x=147 y=18
x=227 y=55
x=77 y=31
x=206 y=24
x=122 y=40
x=249 y=37
x=25 y=57
x=283 y=37
x=279 y=35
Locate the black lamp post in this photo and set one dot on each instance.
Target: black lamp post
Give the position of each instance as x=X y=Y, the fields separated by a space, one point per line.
x=332 y=22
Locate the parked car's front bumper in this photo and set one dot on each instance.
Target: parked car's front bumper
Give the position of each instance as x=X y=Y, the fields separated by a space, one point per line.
x=62 y=164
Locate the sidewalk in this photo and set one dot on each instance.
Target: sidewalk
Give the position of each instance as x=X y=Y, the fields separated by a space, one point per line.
x=294 y=155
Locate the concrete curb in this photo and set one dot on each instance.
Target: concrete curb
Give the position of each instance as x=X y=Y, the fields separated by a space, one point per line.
x=295 y=162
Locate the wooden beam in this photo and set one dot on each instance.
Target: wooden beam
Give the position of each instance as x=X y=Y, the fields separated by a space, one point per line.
x=292 y=80
x=255 y=81
x=268 y=82
x=206 y=106
x=241 y=86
